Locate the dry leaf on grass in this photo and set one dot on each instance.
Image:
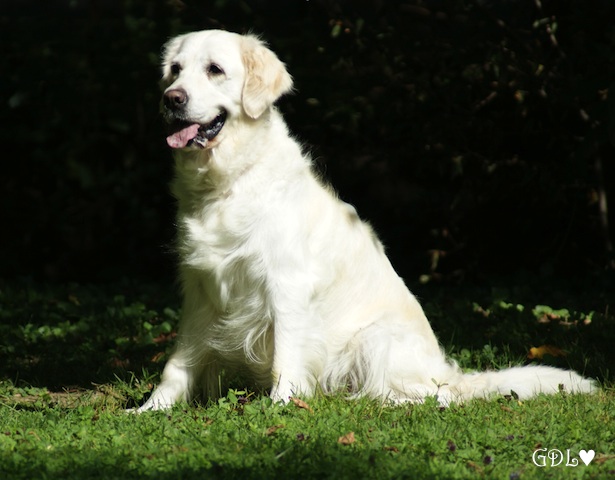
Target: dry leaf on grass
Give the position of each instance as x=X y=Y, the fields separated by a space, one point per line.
x=271 y=430
x=301 y=404
x=347 y=439
x=539 y=352
x=601 y=458
x=157 y=357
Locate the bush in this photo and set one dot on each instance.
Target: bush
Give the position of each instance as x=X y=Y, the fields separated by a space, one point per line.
x=475 y=136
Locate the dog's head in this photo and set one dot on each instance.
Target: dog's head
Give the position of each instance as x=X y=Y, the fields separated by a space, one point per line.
x=213 y=76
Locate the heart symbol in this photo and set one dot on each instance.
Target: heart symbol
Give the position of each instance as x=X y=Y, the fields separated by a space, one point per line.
x=587 y=457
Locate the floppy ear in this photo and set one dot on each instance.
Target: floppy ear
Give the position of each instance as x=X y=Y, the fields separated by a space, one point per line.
x=266 y=77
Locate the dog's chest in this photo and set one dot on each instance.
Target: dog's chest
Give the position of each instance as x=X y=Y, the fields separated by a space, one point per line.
x=222 y=245
x=220 y=252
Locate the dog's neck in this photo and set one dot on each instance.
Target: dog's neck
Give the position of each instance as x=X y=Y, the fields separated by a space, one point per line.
x=207 y=174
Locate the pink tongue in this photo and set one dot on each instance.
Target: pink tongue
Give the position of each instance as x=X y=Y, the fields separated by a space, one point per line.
x=181 y=138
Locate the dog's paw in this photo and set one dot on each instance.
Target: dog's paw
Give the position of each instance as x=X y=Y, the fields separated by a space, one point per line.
x=281 y=396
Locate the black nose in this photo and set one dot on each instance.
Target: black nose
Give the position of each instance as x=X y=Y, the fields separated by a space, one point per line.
x=175 y=99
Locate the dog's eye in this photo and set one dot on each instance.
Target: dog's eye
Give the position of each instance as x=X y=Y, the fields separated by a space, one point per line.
x=175 y=69
x=213 y=69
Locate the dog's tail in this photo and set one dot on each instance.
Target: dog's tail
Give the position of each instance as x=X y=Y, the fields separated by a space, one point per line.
x=402 y=365
x=519 y=382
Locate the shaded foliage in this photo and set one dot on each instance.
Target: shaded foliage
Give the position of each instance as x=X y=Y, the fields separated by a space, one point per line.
x=475 y=135
x=73 y=335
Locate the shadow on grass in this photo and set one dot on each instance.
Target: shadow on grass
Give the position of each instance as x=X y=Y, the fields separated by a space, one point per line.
x=317 y=461
x=58 y=336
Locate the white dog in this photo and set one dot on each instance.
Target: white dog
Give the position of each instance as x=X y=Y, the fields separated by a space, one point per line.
x=282 y=280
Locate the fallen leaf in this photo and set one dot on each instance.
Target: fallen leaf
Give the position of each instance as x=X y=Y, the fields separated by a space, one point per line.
x=119 y=362
x=271 y=430
x=347 y=439
x=539 y=352
x=301 y=404
x=475 y=466
x=164 y=337
x=601 y=458
x=157 y=357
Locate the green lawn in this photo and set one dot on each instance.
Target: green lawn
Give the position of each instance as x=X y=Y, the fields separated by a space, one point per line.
x=89 y=436
x=73 y=357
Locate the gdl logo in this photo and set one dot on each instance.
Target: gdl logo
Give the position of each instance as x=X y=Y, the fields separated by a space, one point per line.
x=554 y=457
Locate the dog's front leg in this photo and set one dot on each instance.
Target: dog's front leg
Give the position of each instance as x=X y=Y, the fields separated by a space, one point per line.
x=297 y=357
x=175 y=386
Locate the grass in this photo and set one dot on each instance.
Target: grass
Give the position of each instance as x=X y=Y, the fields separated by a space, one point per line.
x=253 y=438
x=54 y=423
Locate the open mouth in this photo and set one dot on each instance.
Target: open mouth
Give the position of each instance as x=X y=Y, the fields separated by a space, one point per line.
x=187 y=134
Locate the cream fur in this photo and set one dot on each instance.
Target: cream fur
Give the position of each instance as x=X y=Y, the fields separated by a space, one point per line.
x=282 y=280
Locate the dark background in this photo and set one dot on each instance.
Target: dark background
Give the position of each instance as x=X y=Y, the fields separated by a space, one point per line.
x=476 y=136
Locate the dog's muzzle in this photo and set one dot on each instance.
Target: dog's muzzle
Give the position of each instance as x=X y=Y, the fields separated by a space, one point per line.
x=184 y=132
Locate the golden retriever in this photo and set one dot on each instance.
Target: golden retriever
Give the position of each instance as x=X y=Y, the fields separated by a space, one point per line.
x=281 y=280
